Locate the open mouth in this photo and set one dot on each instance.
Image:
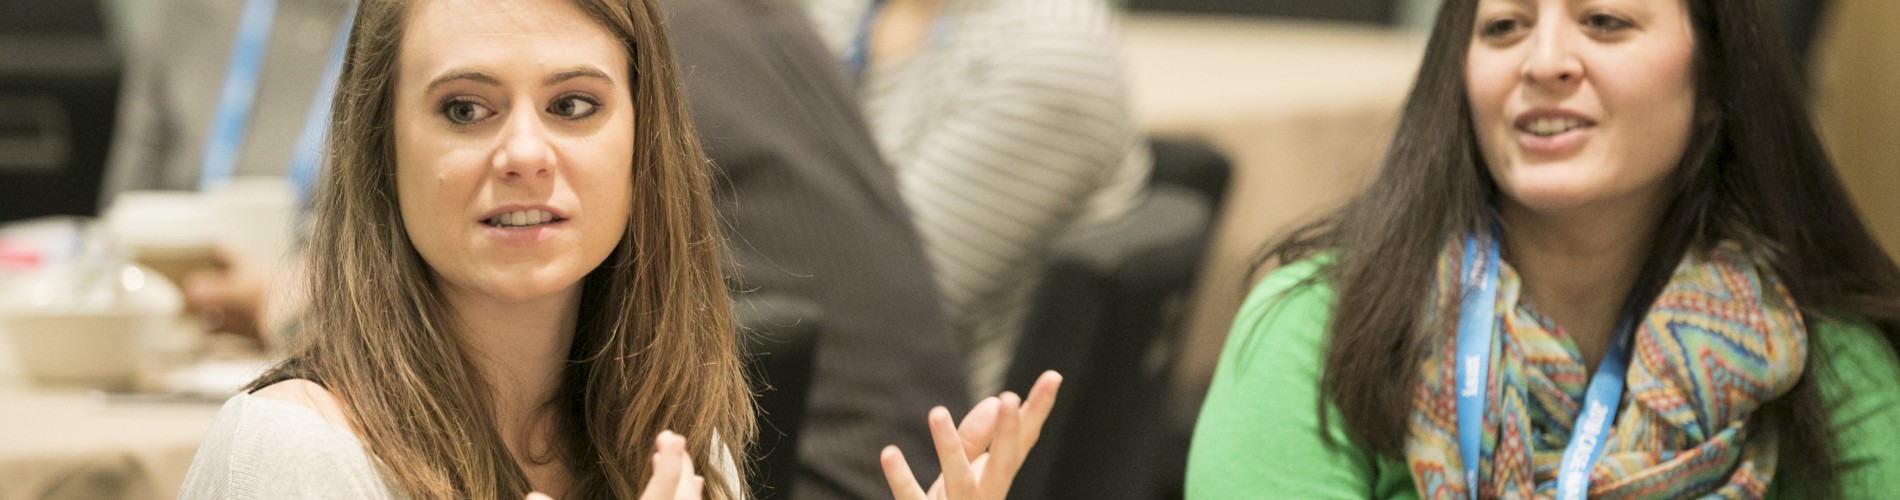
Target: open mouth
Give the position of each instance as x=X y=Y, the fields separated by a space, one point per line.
x=523 y=218
x=1550 y=127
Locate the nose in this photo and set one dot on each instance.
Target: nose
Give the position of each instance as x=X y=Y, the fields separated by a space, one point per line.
x=524 y=152
x=1553 y=59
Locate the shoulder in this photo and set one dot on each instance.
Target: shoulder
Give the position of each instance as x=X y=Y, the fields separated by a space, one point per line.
x=1260 y=428
x=1302 y=281
x=1093 y=17
x=1859 y=361
x=1279 y=335
x=267 y=447
x=1284 y=318
x=1298 y=292
x=1076 y=35
x=309 y=395
x=1859 y=380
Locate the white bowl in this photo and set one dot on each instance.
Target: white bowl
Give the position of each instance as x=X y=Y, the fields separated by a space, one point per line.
x=82 y=350
x=62 y=344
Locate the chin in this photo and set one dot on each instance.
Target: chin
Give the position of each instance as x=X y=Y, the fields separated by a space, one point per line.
x=528 y=285
x=1551 y=197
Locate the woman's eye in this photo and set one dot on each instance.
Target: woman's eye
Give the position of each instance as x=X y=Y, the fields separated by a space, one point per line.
x=1499 y=27
x=573 y=107
x=464 y=112
x=1605 y=23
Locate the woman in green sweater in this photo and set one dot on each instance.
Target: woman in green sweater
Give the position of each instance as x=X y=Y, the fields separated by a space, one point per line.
x=1606 y=256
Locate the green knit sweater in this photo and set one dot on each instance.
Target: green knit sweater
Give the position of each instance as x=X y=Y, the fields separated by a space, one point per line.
x=1259 y=433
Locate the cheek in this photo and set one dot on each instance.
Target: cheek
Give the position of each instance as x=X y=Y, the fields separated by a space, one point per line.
x=607 y=185
x=1490 y=77
x=1659 y=100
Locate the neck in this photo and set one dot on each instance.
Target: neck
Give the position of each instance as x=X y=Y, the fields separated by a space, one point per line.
x=521 y=349
x=1578 y=266
x=902 y=28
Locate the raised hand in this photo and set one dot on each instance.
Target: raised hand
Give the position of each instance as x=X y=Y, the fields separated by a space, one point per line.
x=1006 y=425
x=673 y=477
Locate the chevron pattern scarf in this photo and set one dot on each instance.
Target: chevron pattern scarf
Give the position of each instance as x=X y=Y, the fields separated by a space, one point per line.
x=1723 y=337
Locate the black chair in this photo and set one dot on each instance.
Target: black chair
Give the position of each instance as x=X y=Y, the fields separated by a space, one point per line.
x=59 y=95
x=1106 y=316
x=778 y=334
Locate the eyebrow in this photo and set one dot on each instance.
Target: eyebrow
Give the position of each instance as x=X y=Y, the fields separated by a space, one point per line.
x=487 y=79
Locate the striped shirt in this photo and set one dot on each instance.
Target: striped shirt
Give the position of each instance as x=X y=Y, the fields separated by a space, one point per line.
x=1010 y=129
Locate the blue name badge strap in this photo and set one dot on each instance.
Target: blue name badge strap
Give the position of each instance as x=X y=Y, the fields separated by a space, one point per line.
x=307 y=160
x=237 y=96
x=1477 y=330
x=1477 y=323
x=857 y=57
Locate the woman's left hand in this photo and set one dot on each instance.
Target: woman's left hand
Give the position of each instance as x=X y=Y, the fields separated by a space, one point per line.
x=1006 y=425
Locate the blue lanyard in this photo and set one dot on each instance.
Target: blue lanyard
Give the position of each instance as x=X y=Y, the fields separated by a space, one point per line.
x=307 y=159
x=1477 y=329
x=857 y=57
x=239 y=93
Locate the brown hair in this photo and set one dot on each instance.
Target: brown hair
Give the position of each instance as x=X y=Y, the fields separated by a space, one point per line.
x=654 y=347
x=1753 y=171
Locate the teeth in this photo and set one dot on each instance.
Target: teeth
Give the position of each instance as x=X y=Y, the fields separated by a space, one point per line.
x=1552 y=126
x=522 y=218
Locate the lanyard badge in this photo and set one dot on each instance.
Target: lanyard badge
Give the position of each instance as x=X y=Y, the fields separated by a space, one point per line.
x=1478 y=323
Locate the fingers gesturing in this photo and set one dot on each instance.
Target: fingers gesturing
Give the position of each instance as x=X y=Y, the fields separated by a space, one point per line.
x=980 y=459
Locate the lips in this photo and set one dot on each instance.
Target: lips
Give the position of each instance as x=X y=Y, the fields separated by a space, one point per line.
x=1552 y=131
x=522 y=216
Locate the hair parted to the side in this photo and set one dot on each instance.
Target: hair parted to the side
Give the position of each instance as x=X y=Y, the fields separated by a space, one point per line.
x=1753 y=171
x=654 y=348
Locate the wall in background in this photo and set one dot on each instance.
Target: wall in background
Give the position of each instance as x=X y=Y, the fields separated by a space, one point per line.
x=1857 y=107
x=1360 y=11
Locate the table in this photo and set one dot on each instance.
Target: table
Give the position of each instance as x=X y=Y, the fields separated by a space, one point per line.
x=69 y=443
x=65 y=444
x=1304 y=111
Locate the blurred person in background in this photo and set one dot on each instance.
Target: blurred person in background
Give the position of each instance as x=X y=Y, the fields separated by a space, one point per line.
x=1007 y=125
x=222 y=88
x=1606 y=256
x=814 y=213
x=515 y=283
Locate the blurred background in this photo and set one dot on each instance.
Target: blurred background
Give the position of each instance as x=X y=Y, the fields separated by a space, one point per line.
x=1279 y=107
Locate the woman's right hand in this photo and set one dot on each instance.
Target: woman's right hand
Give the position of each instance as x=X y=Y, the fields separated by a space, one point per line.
x=673 y=477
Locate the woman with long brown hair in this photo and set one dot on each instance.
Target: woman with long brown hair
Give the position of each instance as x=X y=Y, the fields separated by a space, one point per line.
x=514 y=279
x=1605 y=256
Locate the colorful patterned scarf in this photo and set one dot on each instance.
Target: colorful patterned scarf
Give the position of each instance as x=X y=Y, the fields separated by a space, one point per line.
x=1722 y=338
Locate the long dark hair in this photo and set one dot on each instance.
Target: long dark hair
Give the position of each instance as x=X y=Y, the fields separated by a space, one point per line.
x=653 y=349
x=1753 y=171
